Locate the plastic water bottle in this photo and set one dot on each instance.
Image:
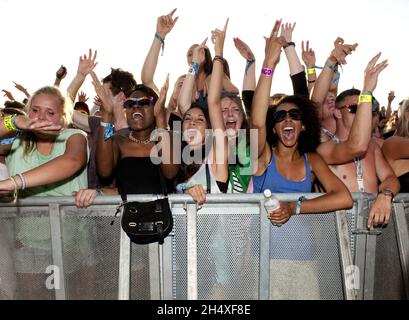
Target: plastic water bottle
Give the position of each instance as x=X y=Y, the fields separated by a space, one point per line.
x=271 y=203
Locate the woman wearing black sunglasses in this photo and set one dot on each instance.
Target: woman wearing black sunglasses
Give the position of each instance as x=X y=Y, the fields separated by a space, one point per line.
x=288 y=136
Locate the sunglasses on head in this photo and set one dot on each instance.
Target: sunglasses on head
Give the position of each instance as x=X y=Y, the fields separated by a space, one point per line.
x=294 y=114
x=139 y=102
x=352 y=108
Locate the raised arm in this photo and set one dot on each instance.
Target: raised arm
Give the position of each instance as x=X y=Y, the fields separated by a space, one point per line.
x=186 y=92
x=262 y=93
x=249 y=79
x=73 y=159
x=22 y=89
x=164 y=146
x=323 y=83
x=8 y=95
x=391 y=97
x=220 y=147
x=164 y=25
x=85 y=66
x=59 y=75
x=294 y=62
x=308 y=56
x=106 y=153
x=361 y=129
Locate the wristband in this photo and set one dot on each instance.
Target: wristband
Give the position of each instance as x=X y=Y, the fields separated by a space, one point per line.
x=289 y=44
x=267 y=72
x=108 y=131
x=15 y=192
x=9 y=123
x=193 y=69
x=364 y=98
x=366 y=92
x=332 y=67
x=162 y=41
x=310 y=70
x=248 y=64
x=298 y=208
x=23 y=181
x=311 y=81
x=218 y=58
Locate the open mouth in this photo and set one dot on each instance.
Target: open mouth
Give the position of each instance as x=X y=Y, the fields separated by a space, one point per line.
x=231 y=124
x=137 y=116
x=288 y=133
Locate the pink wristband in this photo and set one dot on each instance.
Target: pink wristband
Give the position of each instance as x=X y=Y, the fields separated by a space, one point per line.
x=267 y=72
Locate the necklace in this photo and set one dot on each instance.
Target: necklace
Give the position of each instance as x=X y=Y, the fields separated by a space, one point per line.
x=132 y=138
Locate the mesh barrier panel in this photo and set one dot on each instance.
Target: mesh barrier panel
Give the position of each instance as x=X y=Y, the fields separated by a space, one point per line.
x=25 y=254
x=228 y=252
x=140 y=283
x=351 y=220
x=388 y=274
x=91 y=253
x=179 y=255
x=304 y=259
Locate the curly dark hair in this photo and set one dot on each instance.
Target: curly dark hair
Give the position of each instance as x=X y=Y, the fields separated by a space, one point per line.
x=309 y=138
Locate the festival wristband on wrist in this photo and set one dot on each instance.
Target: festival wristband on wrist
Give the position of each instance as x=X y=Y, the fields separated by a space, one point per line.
x=10 y=123
x=310 y=70
x=331 y=67
x=288 y=44
x=162 y=41
x=298 y=208
x=365 y=98
x=108 y=131
x=268 y=72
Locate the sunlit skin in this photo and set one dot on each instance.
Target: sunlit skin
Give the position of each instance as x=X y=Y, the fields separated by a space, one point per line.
x=289 y=129
x=328 y=106
x=194 y=127
x=232 y=116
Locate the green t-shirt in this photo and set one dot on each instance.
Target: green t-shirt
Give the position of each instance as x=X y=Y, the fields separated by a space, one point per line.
x=17 y=162
x=34 y=232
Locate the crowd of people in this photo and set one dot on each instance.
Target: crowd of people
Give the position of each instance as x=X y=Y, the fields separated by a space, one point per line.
x=315 y=139
x=209 y=137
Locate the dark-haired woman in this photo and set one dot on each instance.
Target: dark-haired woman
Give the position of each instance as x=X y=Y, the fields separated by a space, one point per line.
x=288 y=135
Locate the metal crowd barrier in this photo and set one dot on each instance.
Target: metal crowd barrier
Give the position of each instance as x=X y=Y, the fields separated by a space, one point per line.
x=227 y=249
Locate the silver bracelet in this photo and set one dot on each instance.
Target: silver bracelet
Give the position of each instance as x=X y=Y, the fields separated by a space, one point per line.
x=23 y=181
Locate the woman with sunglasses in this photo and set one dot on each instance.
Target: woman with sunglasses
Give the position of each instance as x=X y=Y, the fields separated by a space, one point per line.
x=288 y=136
x=129 y=156
x=396 y=148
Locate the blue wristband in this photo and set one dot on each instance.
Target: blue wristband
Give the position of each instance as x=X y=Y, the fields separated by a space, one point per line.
x=108 y=131
x=298 y=208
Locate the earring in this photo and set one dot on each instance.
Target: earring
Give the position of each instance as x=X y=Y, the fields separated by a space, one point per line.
x=303 y=128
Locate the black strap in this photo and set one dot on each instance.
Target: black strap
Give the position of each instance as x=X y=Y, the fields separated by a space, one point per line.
x=208 y=185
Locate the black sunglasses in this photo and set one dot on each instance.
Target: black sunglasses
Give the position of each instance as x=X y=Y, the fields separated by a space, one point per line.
x=140 y=102
x=295 y=114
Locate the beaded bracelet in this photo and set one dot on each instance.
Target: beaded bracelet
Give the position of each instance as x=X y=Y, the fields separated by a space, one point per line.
x=162 y=41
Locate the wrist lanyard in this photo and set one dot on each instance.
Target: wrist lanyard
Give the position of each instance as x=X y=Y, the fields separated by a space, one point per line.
x=359 y=174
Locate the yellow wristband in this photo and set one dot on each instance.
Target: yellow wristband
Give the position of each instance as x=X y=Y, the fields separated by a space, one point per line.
x=311 y=71
x=8 y=123
x=365 y=98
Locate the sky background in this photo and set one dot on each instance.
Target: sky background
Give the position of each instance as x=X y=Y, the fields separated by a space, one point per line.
x=38 y=36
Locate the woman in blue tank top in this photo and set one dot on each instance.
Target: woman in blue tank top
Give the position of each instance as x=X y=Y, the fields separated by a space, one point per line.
x=288 y=135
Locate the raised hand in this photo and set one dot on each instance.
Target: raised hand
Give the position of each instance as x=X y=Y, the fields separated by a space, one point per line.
x=87 y=63
x=159 y=108
x=199 y=52
x=61 y=73
x=287 y=31
x=8 y=95
x=98 y=101
x=218 y=38
x=243 y=49
x=372 y=72
x=82 y=97
x=341 y=50
x=391 y=96
x=104 y=94
x=165 y=24
x=39 y=126
x=308 y=55
x=274 y=45
x=19 y=87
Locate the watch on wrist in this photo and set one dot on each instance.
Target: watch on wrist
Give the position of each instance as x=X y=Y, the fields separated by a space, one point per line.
x=388 y=192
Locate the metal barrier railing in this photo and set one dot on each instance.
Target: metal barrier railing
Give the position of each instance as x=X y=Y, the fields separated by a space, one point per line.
x=201 y=245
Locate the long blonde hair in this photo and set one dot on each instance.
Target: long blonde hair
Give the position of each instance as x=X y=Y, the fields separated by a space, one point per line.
x=402 y=125
x=28 y=138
